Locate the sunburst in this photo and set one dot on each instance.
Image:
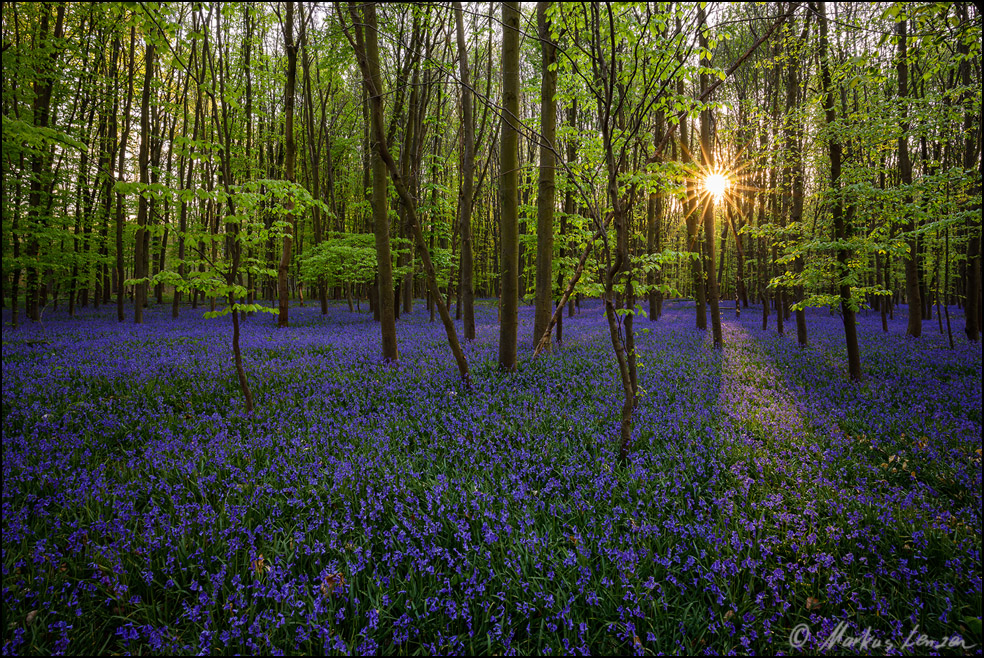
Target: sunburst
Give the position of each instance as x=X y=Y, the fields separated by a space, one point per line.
x=716 y=184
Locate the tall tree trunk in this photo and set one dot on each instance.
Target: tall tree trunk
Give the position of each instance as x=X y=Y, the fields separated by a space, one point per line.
x=380 y=212
x=314 y=154
x=140 y=255
x=166 y=213
x=707 y=161
x=946 y=287
x=509 y=166
x=654 y=235
x=466 y=195
x=185 y=176
x=654 y=245
x=290 y=87
x=232 y=228
x=16 y=240
x=81 y=185
x=124 y=141
x=912 y=288
x=107 y=158
x=690 y=211
x=722 y=253
x=837 y=210
x=763 y=262
x=775 y=203
x=972 y=308
x=410 y=154
x=794 y=149
x=569 y=209
x=367 y=53
x=41 y=160
x=546 y=187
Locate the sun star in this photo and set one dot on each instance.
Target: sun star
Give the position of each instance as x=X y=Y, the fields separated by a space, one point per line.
x=716 y=185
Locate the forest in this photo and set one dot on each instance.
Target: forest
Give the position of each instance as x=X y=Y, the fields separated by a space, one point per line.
x=491 y=328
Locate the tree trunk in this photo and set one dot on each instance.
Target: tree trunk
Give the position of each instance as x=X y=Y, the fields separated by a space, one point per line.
x=186 y=174
x=314 y=153
x=120 y=274
x=384 y=263
x=233 y=243
x=509 y=166
x=972 y=307
x=41 y=160
x=368 y=56
x=912 y=288
x=690 y=212
x=840 y=230
x=290 y=86
x=568 y=211
x=140 y=255
x=546 y=187
x=707 y=162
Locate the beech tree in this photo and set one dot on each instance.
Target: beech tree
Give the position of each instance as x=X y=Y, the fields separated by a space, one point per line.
x=546 y=185
x=129 y=173
x=509 y=166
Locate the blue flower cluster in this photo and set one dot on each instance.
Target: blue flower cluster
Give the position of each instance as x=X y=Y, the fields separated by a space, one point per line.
x=373 y=508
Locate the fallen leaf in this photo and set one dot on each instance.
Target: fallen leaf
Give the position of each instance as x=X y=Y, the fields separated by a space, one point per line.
x=259 y=565
x=332 y=582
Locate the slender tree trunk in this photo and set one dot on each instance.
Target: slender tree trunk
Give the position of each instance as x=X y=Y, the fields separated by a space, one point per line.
x=779 y=297
x=102 y=271
x=41 y=160
x=840 y=230
x=546 y=188
x=763 y=262
x=881 y=303
x=509 y=166
x=912 y=288
x=707 y=161
x=690 y=211
x=290 y=87
x=185 y=175
x=946 y=286
x=233 y=243
x=368 y=55
x=972 y=307
x=569 y=209
x=140 y=255
x=314 y=153
x=794 y=148
x=248 y=23
x=380 y=211
x=408 y=161
x=76 y=255
x=120 y=273
x=16 y=239
x=435 y=177
x=740 y=295
x=654 y=237
x=721 y=261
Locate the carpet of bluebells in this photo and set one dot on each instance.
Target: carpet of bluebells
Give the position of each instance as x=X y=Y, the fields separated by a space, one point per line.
x=373 y=508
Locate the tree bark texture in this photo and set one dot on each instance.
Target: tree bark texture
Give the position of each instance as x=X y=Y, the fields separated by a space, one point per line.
x=509 y=167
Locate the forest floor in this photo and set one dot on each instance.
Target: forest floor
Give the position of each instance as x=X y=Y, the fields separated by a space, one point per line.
x=767 y=506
